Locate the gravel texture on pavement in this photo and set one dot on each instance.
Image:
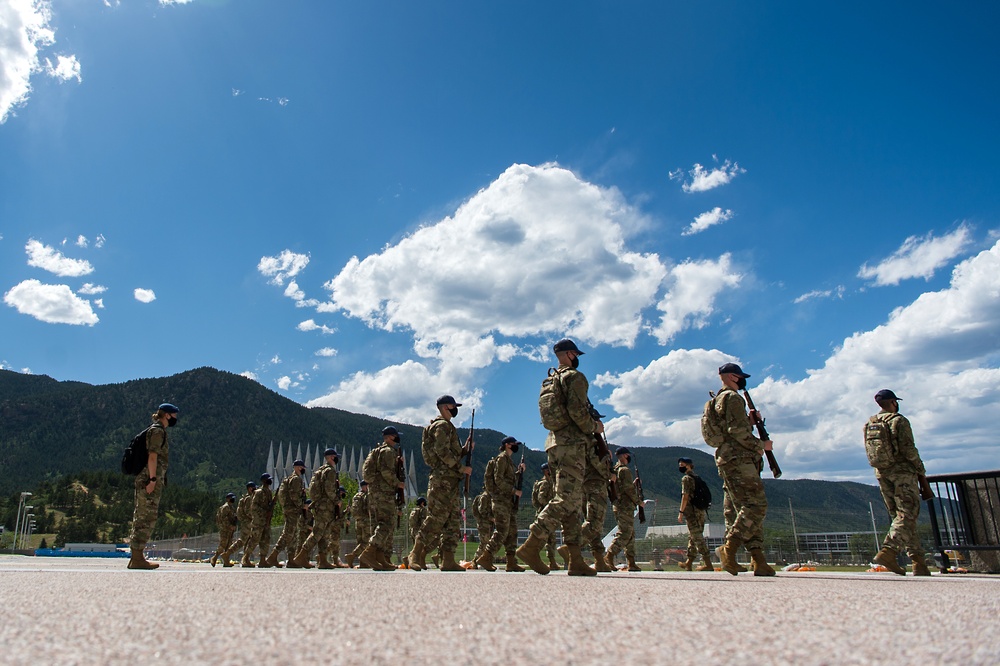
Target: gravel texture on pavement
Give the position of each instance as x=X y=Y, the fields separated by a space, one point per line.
x=95 y=611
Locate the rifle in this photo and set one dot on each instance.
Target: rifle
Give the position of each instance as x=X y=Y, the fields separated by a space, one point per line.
x=400 y=496
x=602 y=450
x=758 y=421
x=519 y=484
x=468 y=455
x=638 y=489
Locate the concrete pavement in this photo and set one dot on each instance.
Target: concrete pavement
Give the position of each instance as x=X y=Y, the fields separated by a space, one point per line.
x=95 y=611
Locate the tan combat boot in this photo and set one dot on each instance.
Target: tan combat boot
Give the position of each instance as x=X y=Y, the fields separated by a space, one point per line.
x=577 y=566
x=553 y=565
x=369 y=558
x=214 y=559
x=760 y=565
x=919 y=565
x=727 y=554
x=246 y=562
x=609 y=559
x=385 y=559
x=436 y=559
x=138 y=561
x=226 y=562
x=321 y=562
x=271 y=560
x=485 y=561
x=351 y=556
x=512 y=564
x=887 y=558
x=530 y=553
x=300 y=561
x=600 y=564
x=686 y=564
x=563 y=551
x=739 y=567
x=417 y=555
x=707 y=564
x=632 y=566
x=448 y=562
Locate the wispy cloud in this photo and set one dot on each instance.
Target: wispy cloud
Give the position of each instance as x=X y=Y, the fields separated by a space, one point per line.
x=827 y=293
x=708 y=219
x=326 y=352
x=918 y=257
x=701 y=179
x=89 y=289
x=144 y=295
x=286 y=265
x=311 y=325
x=64 y=69
x=50 y=259
x=50 y=303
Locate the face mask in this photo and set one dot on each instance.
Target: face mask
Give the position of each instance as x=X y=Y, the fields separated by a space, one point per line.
x=575 y=362
x=741 y=383
x=514 y=448
x=396 y=439
x=171 y=421
x=682 y=470
x=453 y=411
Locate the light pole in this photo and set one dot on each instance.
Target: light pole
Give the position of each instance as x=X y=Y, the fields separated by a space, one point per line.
x=17 y=523
x=24 y=525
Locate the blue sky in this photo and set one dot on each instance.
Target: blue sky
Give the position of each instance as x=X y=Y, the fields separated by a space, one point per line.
x=364 y=205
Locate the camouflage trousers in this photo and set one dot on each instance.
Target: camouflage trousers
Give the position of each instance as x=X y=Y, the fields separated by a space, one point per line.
x=322 y=531
x=566 y=459
x=504 y=527
x=225 y=540
x=695 y=519
x=362 y=531
x=484 y=525
x=728 y=510
x=305 y=528
x=241 y=542
x=742 y=482
x=336 y=532
x=382 y=507
x=901 y=494
x=260 y=536
x=290 y=532
x=625 y=536
x=595 y=507
x=145 y=512
x=444 y=513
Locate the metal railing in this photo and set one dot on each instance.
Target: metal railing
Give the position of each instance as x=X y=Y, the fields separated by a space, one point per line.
x=964 y=517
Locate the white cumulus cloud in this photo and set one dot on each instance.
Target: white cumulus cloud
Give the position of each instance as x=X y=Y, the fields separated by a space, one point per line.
x=286 y=265
x=326 y=352
x=50 y=303
x=89 y=289
x=64 y=69
x=708 y=219
x=52 y=260
x=690 y=300
x=144 y=295
x=918 y=257
x=701 y=179
x=311 y=325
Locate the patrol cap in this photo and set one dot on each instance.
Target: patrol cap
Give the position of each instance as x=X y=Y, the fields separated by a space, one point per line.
x=363 y=482
x=309 y=501
x=390 y=430
x=732 y=369
x=168 y=408
x=299 y=463
x=230 y=496
x=686 y=461
x=886 y=394
x=622 y=451
x=508 y=440
x=265 y=477
x=421 y=500
x=331 y=452
x=448 y=400
x=544 y=466
x=565 y=345
x=251 y=484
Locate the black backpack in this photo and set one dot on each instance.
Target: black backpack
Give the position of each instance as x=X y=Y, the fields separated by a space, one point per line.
x=702 y=497
x=135 y=456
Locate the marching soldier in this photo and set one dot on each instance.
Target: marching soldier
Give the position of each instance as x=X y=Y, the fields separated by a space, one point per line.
x=443 y=454
x=499 y=481
x=323 y=487
x=595 y=497
x=362 y=524
x=244 y=520
x=624 y=508
x=541 y=493
x=261 y=507
x=695 y=519
x=482 y=512
x=380 y=471
x=225 y=520
x=292 y=496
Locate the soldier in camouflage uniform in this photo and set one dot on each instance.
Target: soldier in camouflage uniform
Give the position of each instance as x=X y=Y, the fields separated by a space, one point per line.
x=292 y=495
x=595 y=498
x=563 y=402
x=324 y=488
x=244 y=520
x=149 y=484
x=362 y=521
x=901 y=478
x=305 y=526
x=443 y=454
x=482 y=513
x=726 y=427
x=417 y=517
x=337 y=530
x=695 y=519
x=624 y=508
x=541 y=494
x=500 y=480
x=380 y=472
x=261 y=508
x=225 y=520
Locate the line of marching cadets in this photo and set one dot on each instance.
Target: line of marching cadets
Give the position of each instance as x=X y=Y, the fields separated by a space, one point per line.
x=572 y=495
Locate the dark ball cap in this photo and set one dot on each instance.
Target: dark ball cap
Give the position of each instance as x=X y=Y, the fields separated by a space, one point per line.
x=448 y=400
x=168 y=408
x=390 y=430
x=421 y=500
x=686 y=461
x=309 y=501
x=251 y=484
x=545 y=466
x=565 y=345
x=508 y=440
x=364 y=483
x=732 y=369
x=886 y=394
x=299 y=463
x=622 y=451
x=331 y=452
x=265 y=477
x=230 y=496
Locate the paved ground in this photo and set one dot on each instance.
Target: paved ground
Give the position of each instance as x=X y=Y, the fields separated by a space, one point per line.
x=95 y=611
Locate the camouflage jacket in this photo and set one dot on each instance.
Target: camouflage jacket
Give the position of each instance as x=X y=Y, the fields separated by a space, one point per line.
x=382 y=460
x=359 y=506
x=574 y=388
x=729 y=412
x=906 y=454
x=501 y=485
x=225 y=517
x=441 y=449
x=243 y=509
x=541 y=493
x=628 y=496
x=262 y=504
x=296 y=493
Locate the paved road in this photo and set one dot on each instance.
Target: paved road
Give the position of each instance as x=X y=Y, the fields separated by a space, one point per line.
x=94 y=611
